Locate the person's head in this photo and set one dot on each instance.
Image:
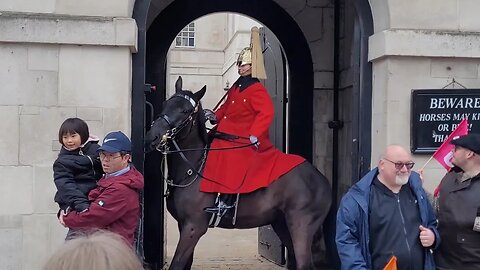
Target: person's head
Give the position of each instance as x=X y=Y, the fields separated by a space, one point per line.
x=73 y=133
x=244 y=62
x=395 y=166
x=100 y=250
x=466 y=151
x=115 y=152
x=250 y=60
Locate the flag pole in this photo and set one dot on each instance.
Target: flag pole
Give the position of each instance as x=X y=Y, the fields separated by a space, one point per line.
x=424 y=165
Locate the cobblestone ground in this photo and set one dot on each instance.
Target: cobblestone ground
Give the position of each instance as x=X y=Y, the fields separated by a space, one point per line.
x=233 y=263
x=221 y=249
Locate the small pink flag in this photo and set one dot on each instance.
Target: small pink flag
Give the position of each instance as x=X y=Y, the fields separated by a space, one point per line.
x=444 y=153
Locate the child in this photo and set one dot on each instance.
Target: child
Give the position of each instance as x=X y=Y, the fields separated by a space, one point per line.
x=77 y=167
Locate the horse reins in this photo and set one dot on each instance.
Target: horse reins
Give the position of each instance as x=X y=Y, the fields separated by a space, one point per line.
x=192 y=169
x=205 y=149
x=170 y=134
x=189 y=171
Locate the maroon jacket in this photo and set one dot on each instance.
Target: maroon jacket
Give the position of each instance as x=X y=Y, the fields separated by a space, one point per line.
x=114 y=206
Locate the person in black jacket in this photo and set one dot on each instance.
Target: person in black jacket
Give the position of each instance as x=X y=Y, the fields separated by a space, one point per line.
x=459 y=207
x=77 y=168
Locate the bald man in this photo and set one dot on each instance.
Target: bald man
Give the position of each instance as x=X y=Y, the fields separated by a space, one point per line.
x=387 y=214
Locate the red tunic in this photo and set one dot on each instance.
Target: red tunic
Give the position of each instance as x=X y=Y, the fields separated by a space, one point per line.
x=244 y=113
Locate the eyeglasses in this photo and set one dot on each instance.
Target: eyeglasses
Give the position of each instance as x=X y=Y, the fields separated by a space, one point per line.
x=108 y=157
x=399 y=165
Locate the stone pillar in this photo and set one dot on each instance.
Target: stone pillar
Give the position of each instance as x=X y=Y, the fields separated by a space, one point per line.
x=60 y=59
x=421 y=44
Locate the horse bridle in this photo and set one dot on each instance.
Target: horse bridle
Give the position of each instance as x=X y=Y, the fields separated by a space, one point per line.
x=162 y=146
x=170 y=134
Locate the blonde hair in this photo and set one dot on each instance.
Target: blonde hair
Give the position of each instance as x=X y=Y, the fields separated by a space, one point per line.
x=101 y=250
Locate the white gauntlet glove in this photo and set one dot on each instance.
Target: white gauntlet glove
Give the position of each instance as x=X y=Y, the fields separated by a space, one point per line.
x=254 y=140
x=210 y=116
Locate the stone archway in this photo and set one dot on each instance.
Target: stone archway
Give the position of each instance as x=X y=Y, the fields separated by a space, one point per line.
x=297 y=52
x=296 y=25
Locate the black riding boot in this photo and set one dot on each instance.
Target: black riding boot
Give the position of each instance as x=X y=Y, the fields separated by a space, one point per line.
x=222 y=204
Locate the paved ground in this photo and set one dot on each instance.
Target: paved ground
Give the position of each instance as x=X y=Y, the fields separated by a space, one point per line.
x=222 y=249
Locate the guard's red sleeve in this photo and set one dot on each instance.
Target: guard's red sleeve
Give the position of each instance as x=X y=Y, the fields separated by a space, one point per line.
x=220 y=112
x=263 y=107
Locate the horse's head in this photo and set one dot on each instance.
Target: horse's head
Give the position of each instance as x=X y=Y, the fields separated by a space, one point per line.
x=178 y=116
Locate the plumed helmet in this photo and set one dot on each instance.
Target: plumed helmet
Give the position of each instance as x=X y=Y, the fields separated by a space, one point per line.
x=245 y=57
x=253 y=55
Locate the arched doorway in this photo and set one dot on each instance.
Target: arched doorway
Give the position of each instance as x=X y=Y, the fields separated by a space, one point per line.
x=158 y=25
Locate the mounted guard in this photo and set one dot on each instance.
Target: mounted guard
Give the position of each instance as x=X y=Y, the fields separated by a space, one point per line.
x=285 y=191
x=245 y=118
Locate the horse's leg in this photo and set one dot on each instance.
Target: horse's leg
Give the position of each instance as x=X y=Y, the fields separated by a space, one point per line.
x=317 y=249
x=189 y=235
x=280 y=228
x=188 y=266
x=302 y=227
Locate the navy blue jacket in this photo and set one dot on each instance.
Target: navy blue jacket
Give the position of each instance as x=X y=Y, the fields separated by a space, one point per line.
x=352 y=235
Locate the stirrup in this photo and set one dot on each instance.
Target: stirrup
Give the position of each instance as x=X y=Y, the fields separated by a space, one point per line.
x=218 y=210
x=217 y=214
x=212 y=209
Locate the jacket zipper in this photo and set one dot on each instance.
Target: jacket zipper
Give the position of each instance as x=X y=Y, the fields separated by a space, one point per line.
x=397 y=196
x=80 y=152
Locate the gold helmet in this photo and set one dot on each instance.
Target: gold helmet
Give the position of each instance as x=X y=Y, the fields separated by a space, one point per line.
x=245 y=57
x=253 y=55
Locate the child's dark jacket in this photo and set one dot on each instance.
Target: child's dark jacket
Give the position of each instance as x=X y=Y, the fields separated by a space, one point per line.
x=75 y=173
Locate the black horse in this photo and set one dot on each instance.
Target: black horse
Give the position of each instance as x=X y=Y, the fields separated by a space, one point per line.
x=295 y=205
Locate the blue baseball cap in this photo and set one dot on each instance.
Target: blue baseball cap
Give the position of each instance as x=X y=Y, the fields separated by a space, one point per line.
x=116 y=142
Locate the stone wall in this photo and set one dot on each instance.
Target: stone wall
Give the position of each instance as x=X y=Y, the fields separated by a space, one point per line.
x=219 y=38
x=316 y=19
x=59 y=59
x=70 y=58
x=419 y=44
x=391 y=98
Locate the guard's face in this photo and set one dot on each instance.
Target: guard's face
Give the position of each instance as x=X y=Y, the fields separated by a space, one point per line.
x=245 y=70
